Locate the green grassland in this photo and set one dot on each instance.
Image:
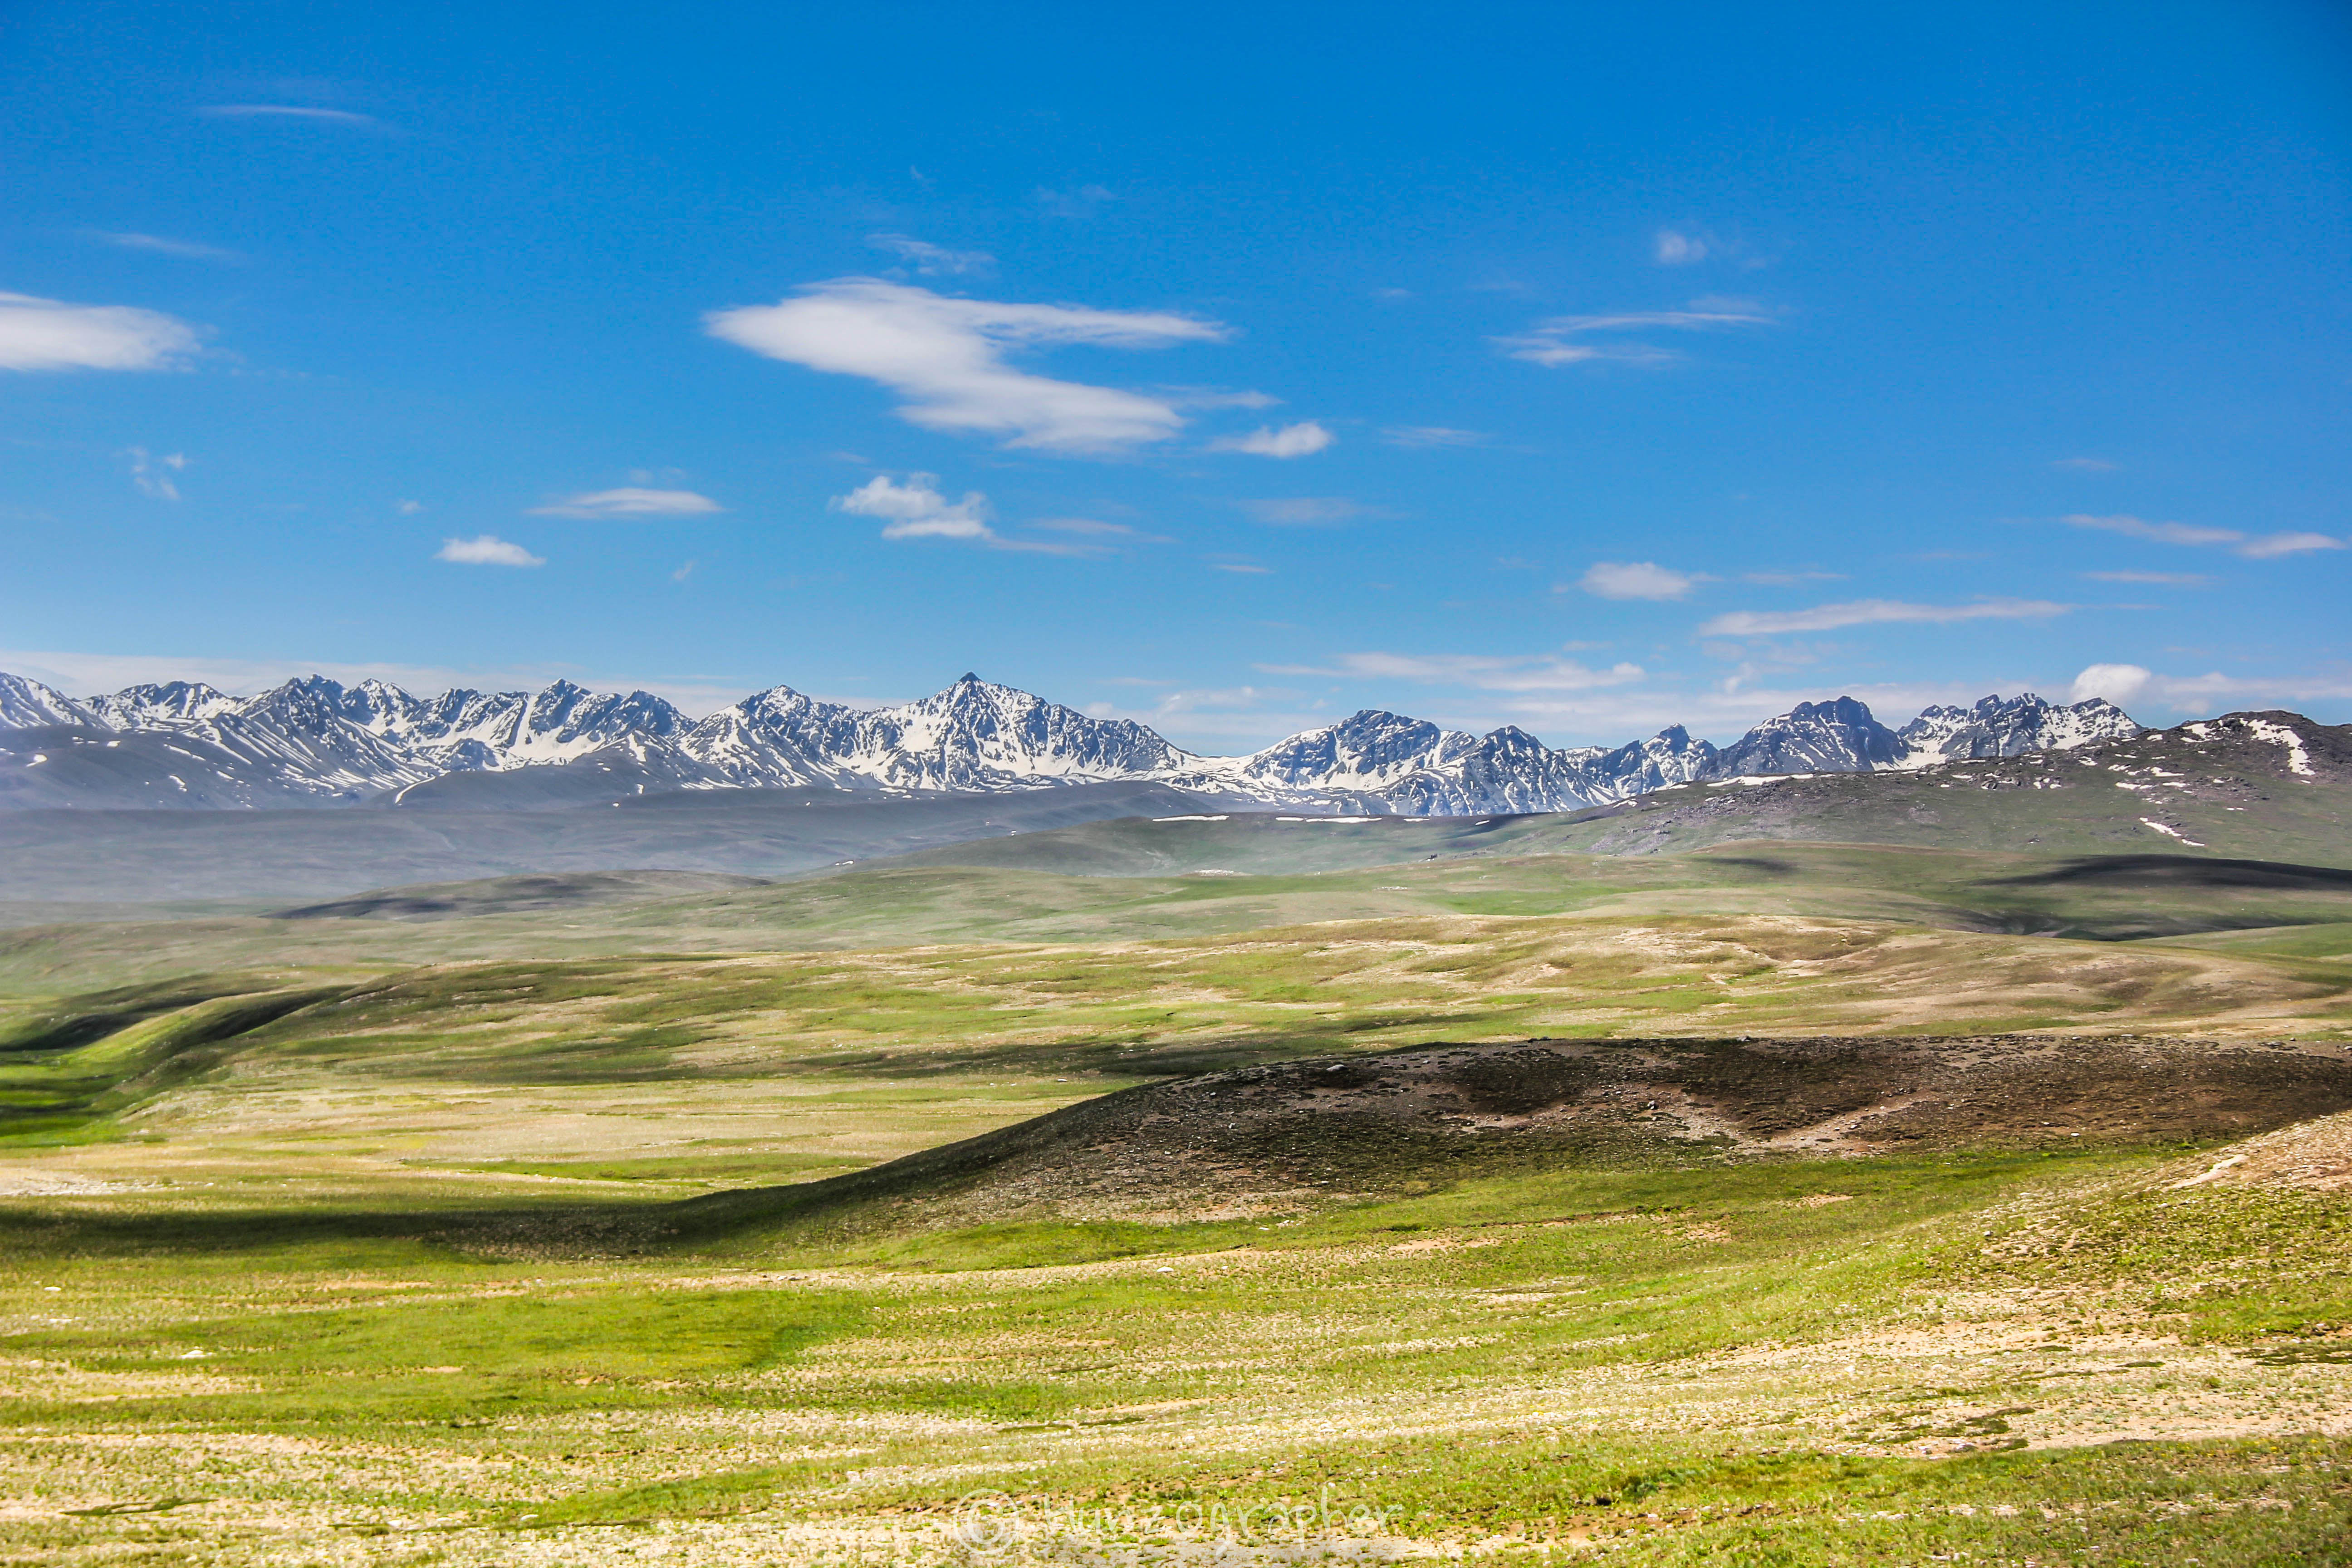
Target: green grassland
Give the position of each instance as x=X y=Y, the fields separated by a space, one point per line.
x=404 y=1231
x=1800 y=1361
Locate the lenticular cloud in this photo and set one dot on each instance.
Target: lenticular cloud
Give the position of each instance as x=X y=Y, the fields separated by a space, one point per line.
x=946 y=358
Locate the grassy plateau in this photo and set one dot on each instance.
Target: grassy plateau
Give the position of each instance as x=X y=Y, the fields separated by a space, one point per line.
x=494 y=1224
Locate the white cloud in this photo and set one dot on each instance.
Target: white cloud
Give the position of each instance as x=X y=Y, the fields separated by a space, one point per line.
x=1634 y=579
x=1300 y=440
x=488 y=550
x=2118 y=683
x=2272 y=545
x=917 y=510
x=931 y=259
x=1190 y=716
x=946 y=357
x=1541 y=672
x=630 y=501
x=187 y=250
x=1304 y=512
x=153 y=475
x=1242 y=568
x=1874 y=612
x=2161 y=579
x=1425 y=435
x=49 y=334
x=409 y=508
x=683 y=572
x=1675 y=248
x=1087 y=527
x=1566 y=340
x=1216 y=397
x=2214 y=692
x=2086 y=465
x=286 y=112
x=2255 y=547
x=2126 y=684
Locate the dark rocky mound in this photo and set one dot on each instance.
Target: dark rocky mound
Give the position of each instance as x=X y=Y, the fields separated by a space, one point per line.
x=1270 y=1138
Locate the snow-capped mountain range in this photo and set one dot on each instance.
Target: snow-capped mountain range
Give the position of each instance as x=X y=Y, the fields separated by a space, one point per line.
x=316 y=741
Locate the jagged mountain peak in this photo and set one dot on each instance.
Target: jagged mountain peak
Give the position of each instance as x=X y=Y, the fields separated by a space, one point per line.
x=341 y=742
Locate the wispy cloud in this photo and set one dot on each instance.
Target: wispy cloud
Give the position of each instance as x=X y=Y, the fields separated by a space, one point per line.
x=917 y=510
x=187 y=250
x=1214 y=397
x=1242 y=568
x=2086 y=464
x=2126 y=684
x=486 y=550
x=49 y=334
x=1679 y=248
x=286 y=112
x=1579 y=340
x=1635 y=580
x=152 y=476
x=1791 y=579
x=1089 y=528
x=1539 y=672
x=947 y=358
x=2254 y=547
x=932 y=260
x=1305 y=511
x=2161 y=579
x=1083 y=202
x=1191 y=715
x=1875 y=612
x=1426 y=435
x=1300 y=440
x=630 y=501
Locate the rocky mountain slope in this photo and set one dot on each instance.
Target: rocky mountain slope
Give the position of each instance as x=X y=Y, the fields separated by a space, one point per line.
x=315 y=742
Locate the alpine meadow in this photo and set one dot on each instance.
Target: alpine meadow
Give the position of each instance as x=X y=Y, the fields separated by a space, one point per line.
x=1646 y=856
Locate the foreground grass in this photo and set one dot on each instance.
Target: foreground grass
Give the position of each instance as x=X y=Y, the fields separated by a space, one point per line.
x=1801 y=1362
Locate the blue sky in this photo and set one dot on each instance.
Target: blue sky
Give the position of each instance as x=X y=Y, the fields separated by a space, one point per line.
x=1230 y=367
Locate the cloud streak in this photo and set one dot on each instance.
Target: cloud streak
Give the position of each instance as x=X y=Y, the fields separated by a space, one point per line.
x=946 y=358
x=630 y=501
x=1634 y=579
x=2253 y=547
x=1875 y=612
x=1570 y=340
x=187 y=250
x=38 y=334
x=486 y=550
x=1541 y=672
x=1301 y=440
x=1305 y=511
x=929 y=259
x=286 y=112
